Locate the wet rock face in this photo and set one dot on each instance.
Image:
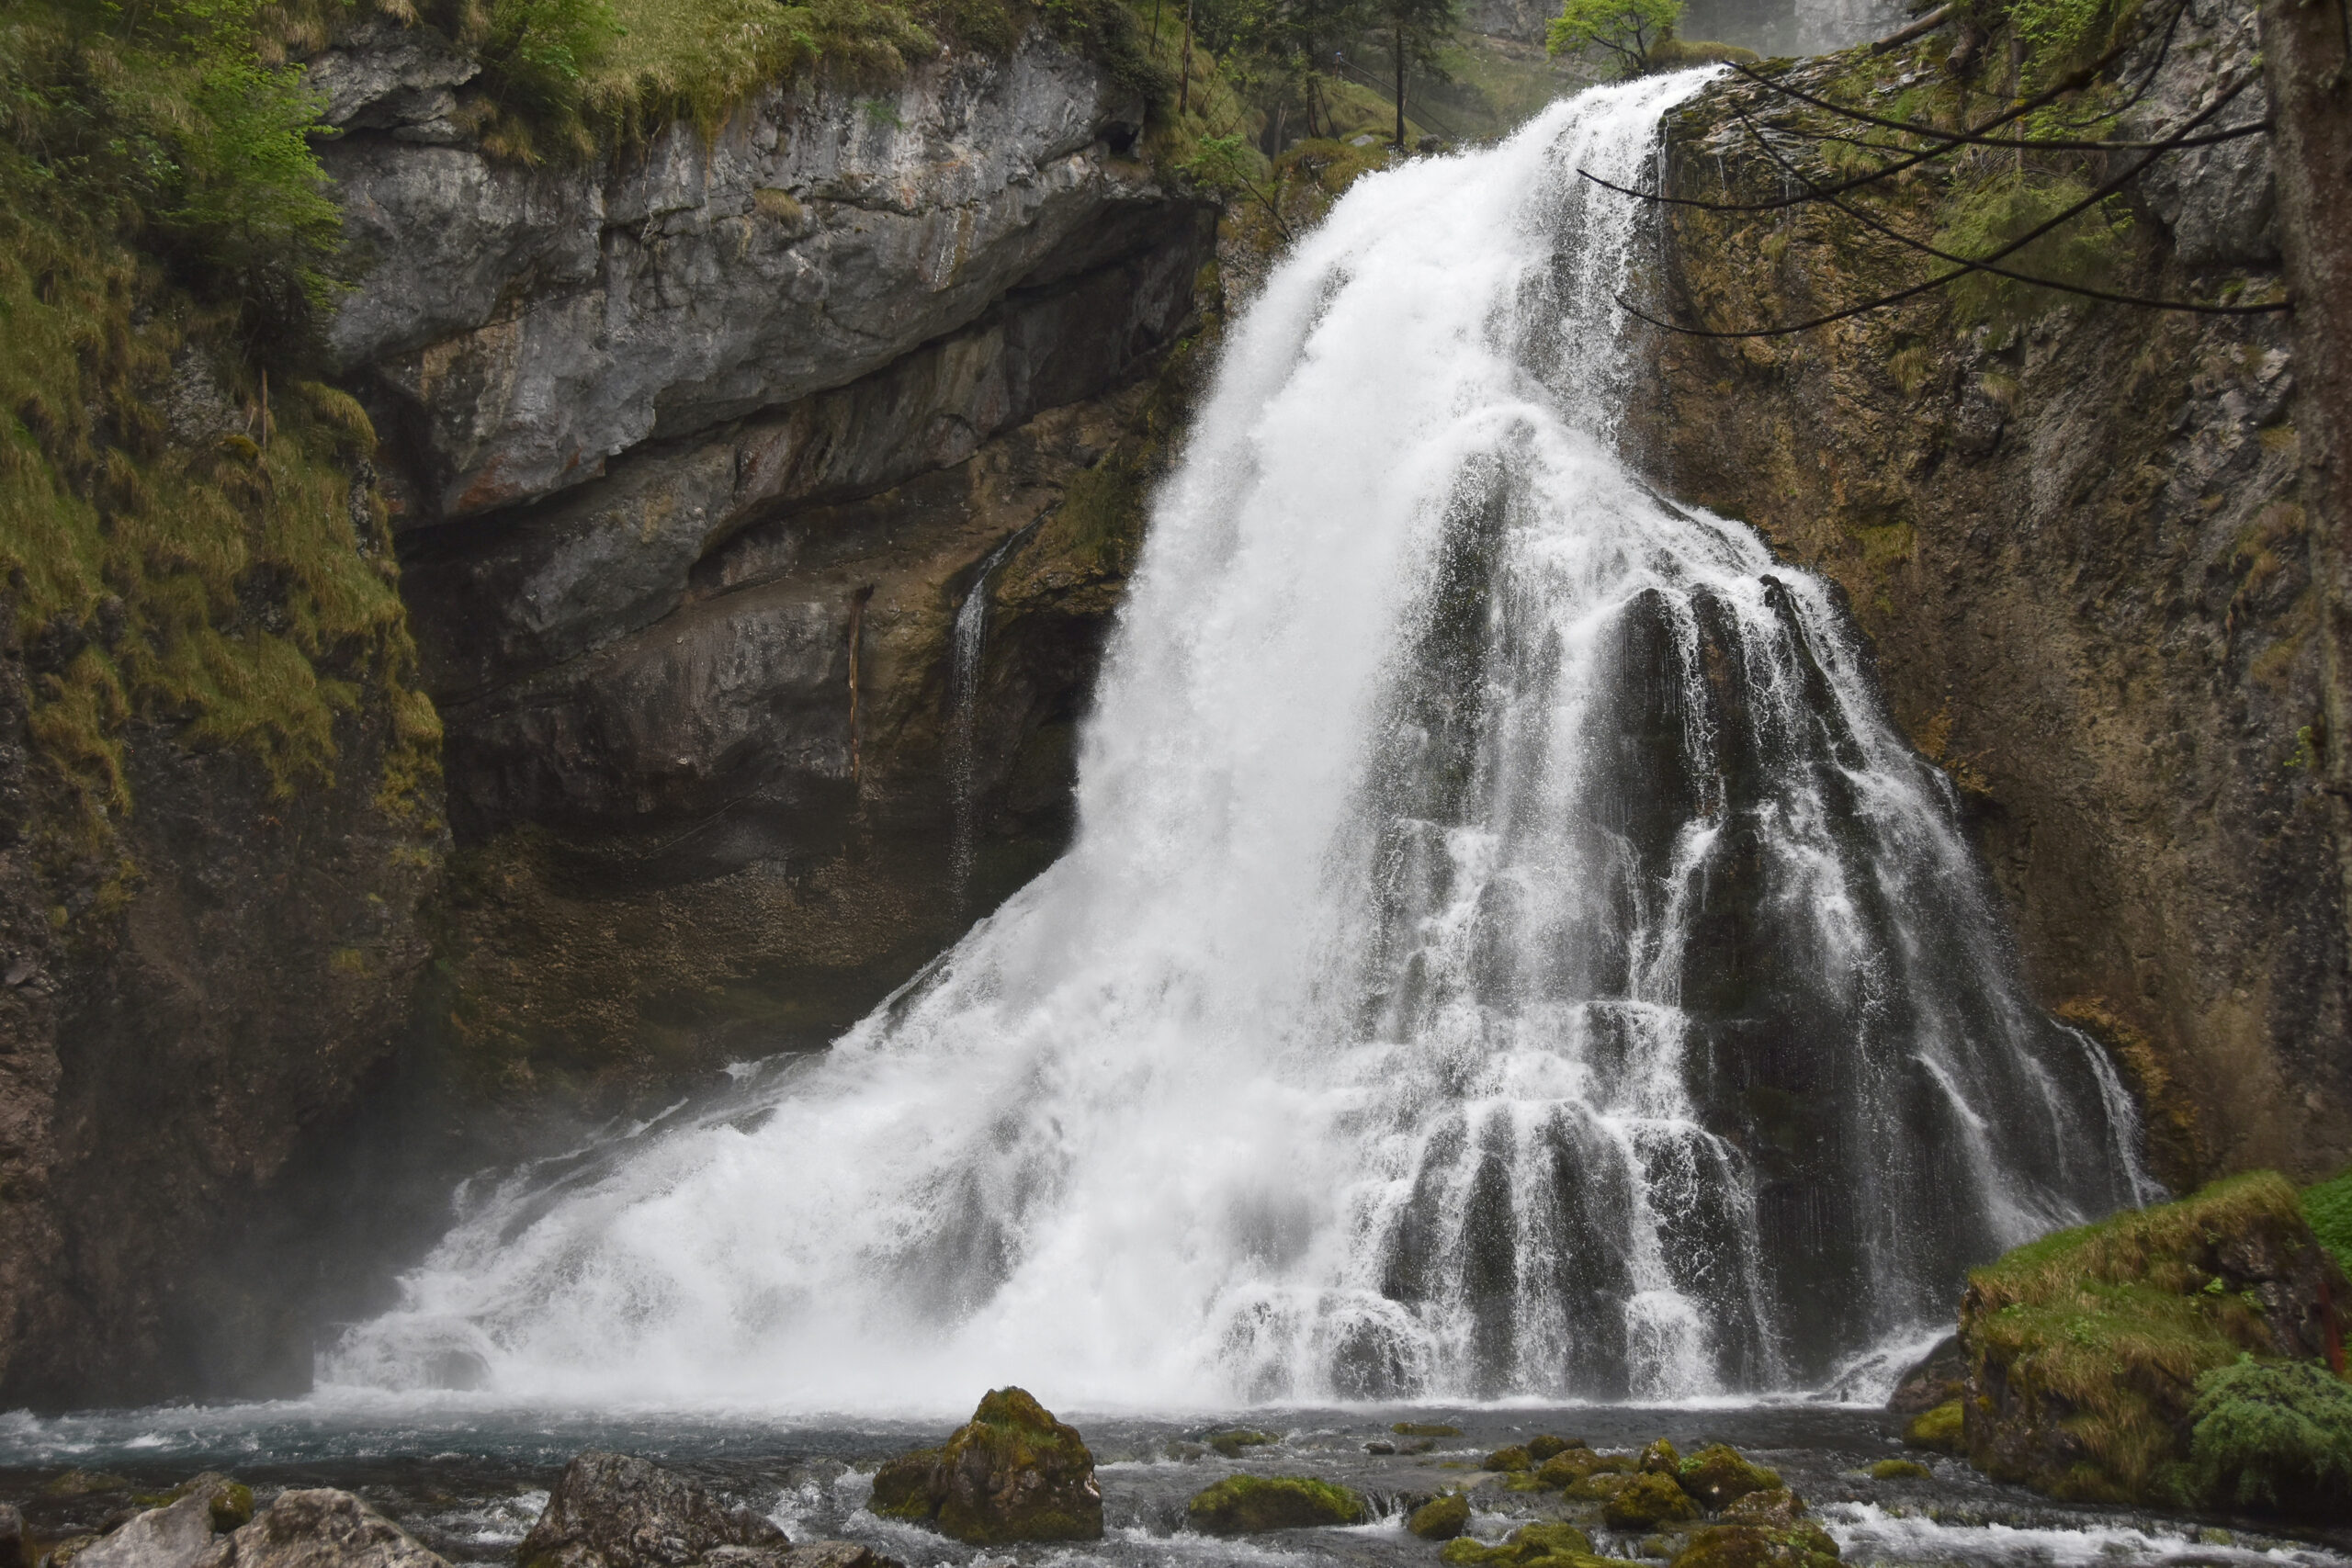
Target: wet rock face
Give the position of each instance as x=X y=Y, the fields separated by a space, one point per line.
x=2079 y=546
x=615 y=1511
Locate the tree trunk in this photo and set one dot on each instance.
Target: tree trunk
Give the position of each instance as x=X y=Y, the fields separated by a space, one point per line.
x=2307 y=67
x=1184 y=84
x=1400 y=86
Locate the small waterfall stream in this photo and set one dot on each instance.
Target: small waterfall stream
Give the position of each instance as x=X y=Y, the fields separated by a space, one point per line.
x=1506 y=950
x=967 y=643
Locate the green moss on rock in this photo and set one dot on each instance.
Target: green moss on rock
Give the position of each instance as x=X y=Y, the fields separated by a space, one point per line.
x=2275 y=1437
x=1231 y=1443
x=1718 y=1475
x=1010 y=1473
x=1802 y=1545
x=1245 y=1504
x=1440 y=1518
x=1648 y=1500
x=1899 y=1470
x=1425 y=1429
x=1509 y=1459
x=1546 y=1545
x=1941 y=1428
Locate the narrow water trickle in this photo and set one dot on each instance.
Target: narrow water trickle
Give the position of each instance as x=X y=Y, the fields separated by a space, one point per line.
x=1505 y=949
x=967 y=642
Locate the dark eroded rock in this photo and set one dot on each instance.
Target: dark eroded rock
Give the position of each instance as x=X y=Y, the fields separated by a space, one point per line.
x=617 y=1511
x=1802 y=1545
x=1934 y=1379
x=12 y=1537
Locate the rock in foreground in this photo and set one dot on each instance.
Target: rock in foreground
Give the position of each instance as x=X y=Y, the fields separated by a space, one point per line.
x=321 y=1529
x=614 y=1511
x=1012 y=1473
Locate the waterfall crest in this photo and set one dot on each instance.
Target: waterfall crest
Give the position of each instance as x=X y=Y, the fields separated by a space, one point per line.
x=1505 y=949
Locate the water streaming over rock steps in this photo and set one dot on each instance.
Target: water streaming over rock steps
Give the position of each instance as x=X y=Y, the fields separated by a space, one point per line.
x=1505 y=949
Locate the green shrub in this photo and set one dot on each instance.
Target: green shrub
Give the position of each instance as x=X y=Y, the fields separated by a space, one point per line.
x=2276 y=1434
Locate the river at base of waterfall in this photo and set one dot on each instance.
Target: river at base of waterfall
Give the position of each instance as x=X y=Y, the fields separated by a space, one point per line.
x=470 y=1481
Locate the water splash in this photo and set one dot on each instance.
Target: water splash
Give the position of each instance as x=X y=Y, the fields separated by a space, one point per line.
x=1506 y=950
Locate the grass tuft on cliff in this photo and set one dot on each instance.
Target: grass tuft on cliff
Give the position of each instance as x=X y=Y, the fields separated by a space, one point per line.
x=2085 y=1346
x=180 y=538
x=2328 y=1207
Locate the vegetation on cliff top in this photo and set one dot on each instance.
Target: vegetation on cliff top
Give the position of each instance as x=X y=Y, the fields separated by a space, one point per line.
x=181 y=539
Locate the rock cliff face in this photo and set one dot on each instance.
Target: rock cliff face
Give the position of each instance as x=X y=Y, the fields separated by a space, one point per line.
x=2078 y=542
x=697 y=452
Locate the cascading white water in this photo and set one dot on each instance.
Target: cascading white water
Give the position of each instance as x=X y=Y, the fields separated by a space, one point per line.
x=1505 y=949
x=966 y=641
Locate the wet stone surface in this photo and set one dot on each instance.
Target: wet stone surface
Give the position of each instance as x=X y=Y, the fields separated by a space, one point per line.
x=472 y=1488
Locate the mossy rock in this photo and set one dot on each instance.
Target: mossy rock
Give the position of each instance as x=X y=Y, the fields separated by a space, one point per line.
x=2085 y=1347
x=1944 y=1429
x=2274 y=1436
x=1647 y=1501
x=1600 y=1486
x=231 y=1501
x=1425 y=1429
x=1245 y=1504
x=1440 y=1518
x=1569 y=1466
x=1717 y=1477
x=902 y=1487
x=1546 y=1447
x=1512 y=1458
x=1900 y=1469
x=1231 y=1443
x=1010 y=1473
x=1778 y=1509
x=1658 y=1458
x=1531 y=1546
x=1806 y=1545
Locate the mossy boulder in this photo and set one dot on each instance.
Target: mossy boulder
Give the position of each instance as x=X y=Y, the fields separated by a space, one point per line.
x=1569 y=1466
x=1012 y=1473
x=1546 y=1447
x=1425 y=1429
x=1802 y=1545
x=1717 y=1475
x=1600 y=1486
x=1440 y=1518
x=1231 y=1443
x=1531 y=1546
x=2085 y=1348
x=1900 y=1469
x=1658 y=1458
x=1245 y=1504
x=1508 y=1459
x=1648 y=1500
x=1943 y=1429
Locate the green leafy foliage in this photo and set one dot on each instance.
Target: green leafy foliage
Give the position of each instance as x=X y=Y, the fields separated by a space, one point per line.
x=2062 y=34
x=1982 y=217
x=1628 y=29
x=2273 y=1434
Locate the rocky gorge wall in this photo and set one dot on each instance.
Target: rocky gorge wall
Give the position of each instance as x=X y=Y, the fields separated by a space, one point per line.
x=690 y=453
x=2078 y=540
x=695 y=452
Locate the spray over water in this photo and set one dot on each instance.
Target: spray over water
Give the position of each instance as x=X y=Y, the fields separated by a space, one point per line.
x=1505 y=949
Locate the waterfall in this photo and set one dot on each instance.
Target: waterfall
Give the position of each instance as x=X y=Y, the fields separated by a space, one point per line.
x=1506 y=948
x=967 y=642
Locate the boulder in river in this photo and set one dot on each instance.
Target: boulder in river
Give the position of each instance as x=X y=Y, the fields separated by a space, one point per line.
x=1245 y=1504
x=1717 y=1475
x=319 y=1528
x=12 y=1537
x=617 y=1511
x=1802 y=1545
x=1012 y=1473
x=1442 y=1518
x=178 y=1534
x=1647 y=1501
x=1935 y=1378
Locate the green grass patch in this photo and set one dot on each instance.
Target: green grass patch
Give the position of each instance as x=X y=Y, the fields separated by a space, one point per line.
x=2328 y=1207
